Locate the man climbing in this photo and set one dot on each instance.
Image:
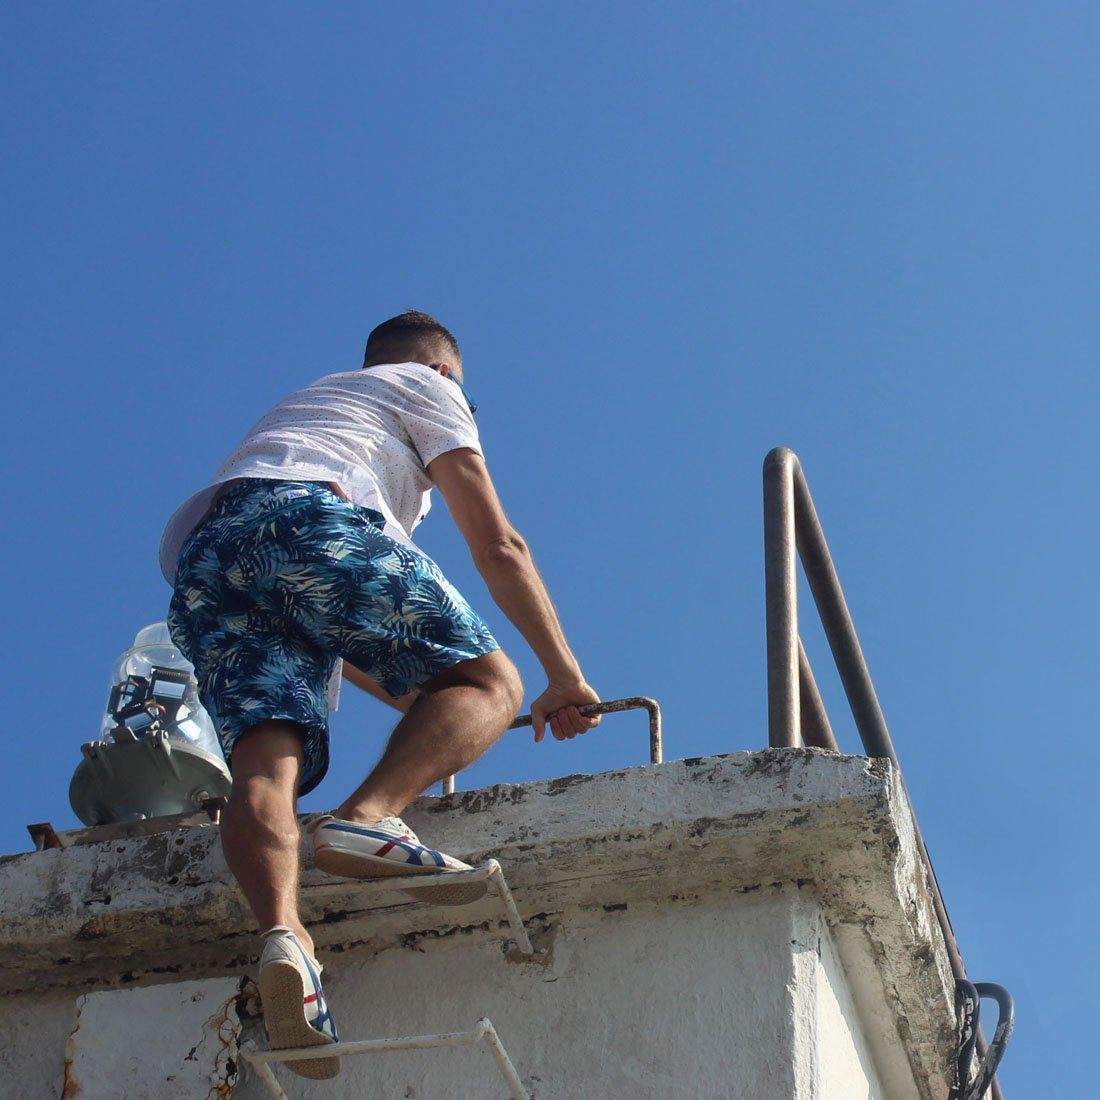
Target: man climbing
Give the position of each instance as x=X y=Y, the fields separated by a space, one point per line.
x=296 y=562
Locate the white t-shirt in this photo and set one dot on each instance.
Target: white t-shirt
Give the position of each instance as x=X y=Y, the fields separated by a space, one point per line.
x=373 y=431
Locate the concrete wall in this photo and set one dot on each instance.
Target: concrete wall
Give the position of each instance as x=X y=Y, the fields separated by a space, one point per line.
x=34 y=1028
x=736 y=997
x=684 y=1002
x=843 y=1064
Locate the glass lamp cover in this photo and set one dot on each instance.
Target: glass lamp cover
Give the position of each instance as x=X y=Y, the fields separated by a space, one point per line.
x=154 y=650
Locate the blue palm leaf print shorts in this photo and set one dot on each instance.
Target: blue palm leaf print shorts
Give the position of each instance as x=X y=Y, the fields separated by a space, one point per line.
x=283 y=578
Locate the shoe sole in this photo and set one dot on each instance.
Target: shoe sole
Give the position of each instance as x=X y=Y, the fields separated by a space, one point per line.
x=335 y=860
x=282 y=992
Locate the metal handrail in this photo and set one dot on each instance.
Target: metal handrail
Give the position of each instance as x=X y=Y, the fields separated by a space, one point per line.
x=612 y=706
x=796 y=714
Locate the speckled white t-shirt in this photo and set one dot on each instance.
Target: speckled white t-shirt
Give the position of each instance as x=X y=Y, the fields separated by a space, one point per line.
x=372 y=431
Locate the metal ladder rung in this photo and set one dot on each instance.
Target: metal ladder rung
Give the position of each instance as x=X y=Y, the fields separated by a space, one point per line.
x=484 y=1030
x=490 y=870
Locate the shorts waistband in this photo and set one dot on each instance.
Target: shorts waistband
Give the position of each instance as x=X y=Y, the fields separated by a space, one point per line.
x=242 y=487
x=234 y=491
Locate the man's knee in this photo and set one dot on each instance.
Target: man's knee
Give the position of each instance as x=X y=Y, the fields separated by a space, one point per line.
x=500 y=677
x=494 y=673
x=509 y=684
x=267 y=754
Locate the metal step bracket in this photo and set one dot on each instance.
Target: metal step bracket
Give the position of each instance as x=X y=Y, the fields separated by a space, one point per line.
x=260 y=1060
x=489 y=870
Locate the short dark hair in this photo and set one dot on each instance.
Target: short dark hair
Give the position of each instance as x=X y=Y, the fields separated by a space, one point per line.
x=410 y=337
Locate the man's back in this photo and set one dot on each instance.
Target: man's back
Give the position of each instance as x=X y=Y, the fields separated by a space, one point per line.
x=372 y=432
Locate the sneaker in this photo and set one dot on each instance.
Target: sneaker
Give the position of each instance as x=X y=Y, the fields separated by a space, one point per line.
x=295 y=1011
x=390 y=847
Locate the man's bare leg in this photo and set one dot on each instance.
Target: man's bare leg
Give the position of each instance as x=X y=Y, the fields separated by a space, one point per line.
x=459 y=714
x=259 y=830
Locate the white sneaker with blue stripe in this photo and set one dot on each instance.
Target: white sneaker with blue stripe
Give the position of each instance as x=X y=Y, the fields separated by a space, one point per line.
x=390 y=847
x=295 y=1011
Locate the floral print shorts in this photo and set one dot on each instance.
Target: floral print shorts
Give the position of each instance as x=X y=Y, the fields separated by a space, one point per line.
x=283 y=578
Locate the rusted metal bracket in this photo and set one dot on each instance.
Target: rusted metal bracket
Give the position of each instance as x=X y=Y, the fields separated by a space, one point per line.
x=124 y=830
x=213 y=807
x=45 y=836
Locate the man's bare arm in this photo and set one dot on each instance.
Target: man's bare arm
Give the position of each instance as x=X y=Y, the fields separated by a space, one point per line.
x=371 y=686
x=505 y=562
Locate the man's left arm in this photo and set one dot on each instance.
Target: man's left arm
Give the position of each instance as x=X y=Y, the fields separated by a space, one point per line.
x=371 y=686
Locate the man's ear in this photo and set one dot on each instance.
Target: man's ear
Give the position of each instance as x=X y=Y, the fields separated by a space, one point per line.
x=446 y=370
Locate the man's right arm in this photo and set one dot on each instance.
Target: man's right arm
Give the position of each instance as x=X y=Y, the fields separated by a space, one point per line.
x=504 y=561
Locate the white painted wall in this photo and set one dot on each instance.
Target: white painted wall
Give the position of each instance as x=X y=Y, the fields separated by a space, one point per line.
x=174 y=1042
x=735 y=997
x=684 y=1002
x=34 y=1028
x=727 y=997
x=845 y=1068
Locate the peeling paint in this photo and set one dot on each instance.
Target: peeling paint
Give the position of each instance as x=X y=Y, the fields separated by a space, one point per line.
x=226 y=1027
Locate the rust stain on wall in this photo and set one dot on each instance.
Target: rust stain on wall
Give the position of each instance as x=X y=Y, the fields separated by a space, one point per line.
x=71 y=1086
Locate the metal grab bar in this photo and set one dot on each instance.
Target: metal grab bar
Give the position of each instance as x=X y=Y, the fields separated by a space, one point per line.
x=793 y=531
x=613 y=706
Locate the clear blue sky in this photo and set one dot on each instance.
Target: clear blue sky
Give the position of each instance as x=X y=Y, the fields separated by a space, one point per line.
x=668 y=238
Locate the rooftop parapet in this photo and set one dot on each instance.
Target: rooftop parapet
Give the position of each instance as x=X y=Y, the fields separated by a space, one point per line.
x=138 y=909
